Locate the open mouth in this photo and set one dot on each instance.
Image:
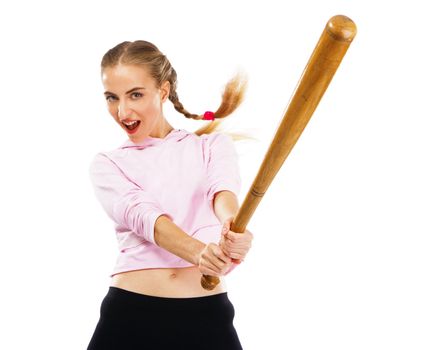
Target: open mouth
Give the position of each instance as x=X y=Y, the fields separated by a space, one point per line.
x=132 y=127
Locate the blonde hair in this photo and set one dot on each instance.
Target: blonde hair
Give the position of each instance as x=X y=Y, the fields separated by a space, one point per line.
x=146 y=54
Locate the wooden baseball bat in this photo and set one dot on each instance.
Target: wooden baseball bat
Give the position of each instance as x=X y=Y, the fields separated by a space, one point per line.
x=323 y=63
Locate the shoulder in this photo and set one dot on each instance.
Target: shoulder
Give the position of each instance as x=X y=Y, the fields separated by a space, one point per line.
x=109 y=156
x=219 y=145
x=217 y=138
x=104 y=160
x=99 y=159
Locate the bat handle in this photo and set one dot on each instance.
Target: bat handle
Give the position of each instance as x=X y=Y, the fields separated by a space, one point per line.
x=209 y=282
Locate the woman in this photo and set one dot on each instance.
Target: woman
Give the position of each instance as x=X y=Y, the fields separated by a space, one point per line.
x=172 y=195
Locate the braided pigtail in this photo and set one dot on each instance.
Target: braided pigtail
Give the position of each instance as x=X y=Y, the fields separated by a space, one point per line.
x=232 y=97
x=173 y=97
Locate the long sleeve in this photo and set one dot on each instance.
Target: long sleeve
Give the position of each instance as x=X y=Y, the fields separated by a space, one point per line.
x=222 y=165
x=222 y=169
x=125 y=202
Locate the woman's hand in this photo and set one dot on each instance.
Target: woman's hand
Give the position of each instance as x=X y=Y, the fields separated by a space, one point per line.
x=213 y=261
x=235 y=245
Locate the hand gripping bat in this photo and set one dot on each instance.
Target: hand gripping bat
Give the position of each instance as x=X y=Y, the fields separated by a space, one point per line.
x=323 y=63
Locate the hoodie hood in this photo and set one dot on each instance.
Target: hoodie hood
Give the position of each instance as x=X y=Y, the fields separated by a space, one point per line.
x=175 y=135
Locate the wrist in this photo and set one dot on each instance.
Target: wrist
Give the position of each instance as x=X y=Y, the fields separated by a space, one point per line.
x=197 y=250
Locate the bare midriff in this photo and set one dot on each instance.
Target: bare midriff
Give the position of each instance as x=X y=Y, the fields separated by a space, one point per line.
x=168 y=282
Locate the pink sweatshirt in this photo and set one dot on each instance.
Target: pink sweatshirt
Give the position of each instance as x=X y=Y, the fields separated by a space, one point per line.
x=176 y=176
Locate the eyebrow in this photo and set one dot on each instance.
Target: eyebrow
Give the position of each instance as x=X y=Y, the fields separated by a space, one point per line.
x=128 y=92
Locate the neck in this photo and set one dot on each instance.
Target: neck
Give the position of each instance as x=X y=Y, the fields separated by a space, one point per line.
x=163 y=129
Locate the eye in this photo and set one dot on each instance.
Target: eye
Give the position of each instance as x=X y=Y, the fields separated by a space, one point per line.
x=137 y=94
x=108 y=98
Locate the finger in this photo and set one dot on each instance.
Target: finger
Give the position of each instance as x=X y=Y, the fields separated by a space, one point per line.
x=246 y=233
x=232 y=236
x=215 y=259
x=206 y=271
x=206 y=263
x=215 y=270
x=225 y=229
x=225 y=249
x=232 y=251
x=231 y=246
x=223 y=233
x=208 y=257
x=214 y=267
x=238 y=237
x=220 y=255
x=237 y=241
x=237 y=256
x=227 y=224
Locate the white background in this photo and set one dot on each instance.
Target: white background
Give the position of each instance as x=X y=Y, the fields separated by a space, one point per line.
x=338 y=260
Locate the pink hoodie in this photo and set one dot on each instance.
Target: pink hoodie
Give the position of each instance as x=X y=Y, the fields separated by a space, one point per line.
x=176 y=176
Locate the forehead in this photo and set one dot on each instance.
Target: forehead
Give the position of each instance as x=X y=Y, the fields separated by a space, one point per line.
x=125 y=76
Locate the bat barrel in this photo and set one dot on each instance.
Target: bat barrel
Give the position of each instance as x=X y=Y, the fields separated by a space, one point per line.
x=317 y=75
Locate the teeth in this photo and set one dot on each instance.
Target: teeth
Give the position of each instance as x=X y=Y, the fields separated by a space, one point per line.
x=130 y=124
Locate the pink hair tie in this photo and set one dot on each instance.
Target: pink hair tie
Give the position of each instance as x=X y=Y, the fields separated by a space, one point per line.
x=208 y=116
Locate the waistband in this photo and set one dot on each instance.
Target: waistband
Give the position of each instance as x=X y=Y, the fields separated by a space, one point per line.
x=135 y=298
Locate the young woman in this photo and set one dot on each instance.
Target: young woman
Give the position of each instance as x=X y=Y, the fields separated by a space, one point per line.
x=172 y=195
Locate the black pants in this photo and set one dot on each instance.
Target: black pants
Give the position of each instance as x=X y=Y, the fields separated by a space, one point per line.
x=135 y=321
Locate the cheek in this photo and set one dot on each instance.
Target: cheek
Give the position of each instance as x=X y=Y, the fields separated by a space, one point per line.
x=113 y=112
x=151 y=108
x=156 y=101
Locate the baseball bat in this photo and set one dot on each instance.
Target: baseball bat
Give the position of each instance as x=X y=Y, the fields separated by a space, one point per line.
x=323 y=63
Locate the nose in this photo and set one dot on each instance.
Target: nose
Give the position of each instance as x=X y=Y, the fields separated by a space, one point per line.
x=123 y=110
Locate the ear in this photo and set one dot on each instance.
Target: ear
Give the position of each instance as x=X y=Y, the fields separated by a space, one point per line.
x=165 y=91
